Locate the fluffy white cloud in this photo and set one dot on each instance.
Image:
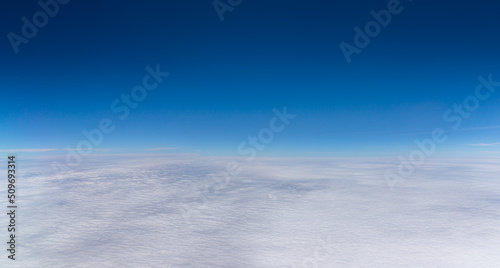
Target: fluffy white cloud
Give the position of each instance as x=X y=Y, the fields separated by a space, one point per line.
x=124 y=211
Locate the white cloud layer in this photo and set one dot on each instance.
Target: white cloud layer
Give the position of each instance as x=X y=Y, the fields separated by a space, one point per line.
x=26 y=150
x=486 y=144
x=160 y=149
x=118 y=211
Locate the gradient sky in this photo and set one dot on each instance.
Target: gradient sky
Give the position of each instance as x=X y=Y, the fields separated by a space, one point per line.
x=227 y=76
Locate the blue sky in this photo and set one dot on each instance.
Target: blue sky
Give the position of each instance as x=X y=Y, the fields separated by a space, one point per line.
x=227 y=76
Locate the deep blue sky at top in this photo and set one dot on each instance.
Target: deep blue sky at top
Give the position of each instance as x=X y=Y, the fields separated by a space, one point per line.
x=226 y=77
